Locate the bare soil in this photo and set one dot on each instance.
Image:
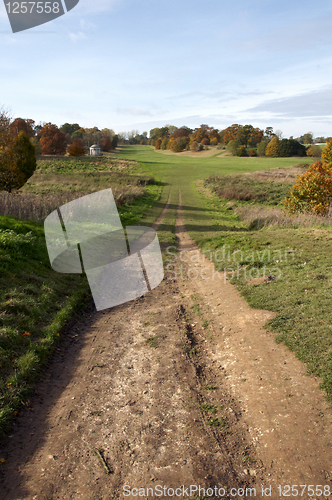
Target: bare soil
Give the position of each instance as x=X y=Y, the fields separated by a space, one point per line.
x=182 y=386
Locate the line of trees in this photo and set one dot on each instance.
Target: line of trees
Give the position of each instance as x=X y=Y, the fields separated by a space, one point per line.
x=21 y=140
x=237 y=139
x=49 y=139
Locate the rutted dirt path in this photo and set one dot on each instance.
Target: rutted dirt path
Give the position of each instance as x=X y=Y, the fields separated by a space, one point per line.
x=179 y=387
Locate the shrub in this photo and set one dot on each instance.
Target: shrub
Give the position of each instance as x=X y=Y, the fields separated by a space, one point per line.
x=76 y=148
x=194 y=146
x=314 y=151
x=312 y=191
x=241 y=151
x=205 y=141
x=232 y=146
x=214 y=141
x=252 y=152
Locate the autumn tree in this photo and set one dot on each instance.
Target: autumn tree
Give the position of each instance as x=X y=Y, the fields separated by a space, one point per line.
x=52 y=140
x=76 y=148
x=230 y=133
x=200 y=133
x=314 y=151
x=272 y=147
x=312 y=191
x=327 y=153
x=181 y=132
x=17 y=162
x=21 y=125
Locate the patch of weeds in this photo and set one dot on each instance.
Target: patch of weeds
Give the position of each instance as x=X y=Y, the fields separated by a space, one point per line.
x=208 y=407
x=216 y=422
x=195 y=308
x=152 y=341
x=205 y=323
x=245 y=457
x=147 y=323
x=210 y=387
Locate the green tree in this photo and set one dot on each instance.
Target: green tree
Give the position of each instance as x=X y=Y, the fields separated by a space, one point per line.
x=261 y=147
x=272 y=147
x=291 y=147
x=232 y=146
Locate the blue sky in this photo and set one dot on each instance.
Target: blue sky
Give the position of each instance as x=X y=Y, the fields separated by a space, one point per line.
x=127 y=65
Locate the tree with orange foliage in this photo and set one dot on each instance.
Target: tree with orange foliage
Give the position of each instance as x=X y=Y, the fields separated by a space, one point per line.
x=21 y=125
x=312 y=191
x=76 y=148
x=52 y=140
x=231 y=133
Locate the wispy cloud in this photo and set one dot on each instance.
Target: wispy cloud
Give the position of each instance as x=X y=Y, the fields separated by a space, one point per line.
x=77 y=36
x=313 y=103
x=134 y=111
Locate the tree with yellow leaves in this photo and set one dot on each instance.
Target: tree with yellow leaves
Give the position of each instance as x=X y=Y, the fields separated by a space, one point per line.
x=272 y=147
x=312 y=191
x=327 y=154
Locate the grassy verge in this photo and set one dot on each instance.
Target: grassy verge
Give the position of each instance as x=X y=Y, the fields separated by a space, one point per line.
x=300 y=259
x=36 y=302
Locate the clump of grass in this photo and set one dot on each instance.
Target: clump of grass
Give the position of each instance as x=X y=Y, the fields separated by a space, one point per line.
x=216 y=422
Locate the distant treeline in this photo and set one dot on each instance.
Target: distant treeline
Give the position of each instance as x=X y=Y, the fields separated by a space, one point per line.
x=240 y=140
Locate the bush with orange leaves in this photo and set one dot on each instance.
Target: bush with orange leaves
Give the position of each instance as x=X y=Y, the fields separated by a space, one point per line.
x=312 y=191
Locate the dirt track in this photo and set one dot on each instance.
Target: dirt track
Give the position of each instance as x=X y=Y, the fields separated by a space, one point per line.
x=147 y=394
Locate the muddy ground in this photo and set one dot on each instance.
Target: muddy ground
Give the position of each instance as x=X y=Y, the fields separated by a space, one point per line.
x=181 y=387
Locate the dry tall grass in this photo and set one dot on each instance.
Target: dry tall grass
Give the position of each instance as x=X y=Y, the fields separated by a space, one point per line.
x=265 y=216
x=36 y=207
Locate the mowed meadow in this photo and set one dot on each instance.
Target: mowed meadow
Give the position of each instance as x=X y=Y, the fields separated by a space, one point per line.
x=231 y=211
